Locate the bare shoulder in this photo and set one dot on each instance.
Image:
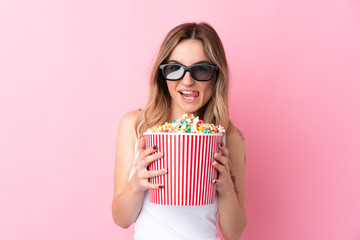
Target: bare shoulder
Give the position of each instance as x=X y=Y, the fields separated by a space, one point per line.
x=234 y=134
x=235 y=142
x=127 y=123
x=130 y=118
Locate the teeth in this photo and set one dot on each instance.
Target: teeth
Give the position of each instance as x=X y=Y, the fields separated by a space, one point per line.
x=187 y=92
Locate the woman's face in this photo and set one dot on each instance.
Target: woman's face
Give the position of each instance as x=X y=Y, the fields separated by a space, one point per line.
x=187 y=94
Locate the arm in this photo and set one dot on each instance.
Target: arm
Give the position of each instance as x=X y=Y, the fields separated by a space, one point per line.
x=231 y=185
x=129 y=194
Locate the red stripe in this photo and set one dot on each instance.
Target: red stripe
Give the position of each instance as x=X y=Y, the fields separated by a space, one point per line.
x=175 y=171
x=211 y=159
x=208 y=165
x=202 y=167
x=154 y=168
x=205 y=158
x=178 y=172
x=192 y=170
x=179 y=160
x=212 y=190
x=197 y=168
x=157 y=168
x=188 y=168
x=170 y=169
x=182 y=170
x=185 y=168
x=151 y=167
x=212 y=186
x=160 y=167
x=201 y=174
x=164 y=166
x=206 y=177
x=196 y=150
x=167 y=167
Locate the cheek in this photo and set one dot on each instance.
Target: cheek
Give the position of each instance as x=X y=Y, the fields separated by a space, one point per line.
x=171 y=86
x=208 y=92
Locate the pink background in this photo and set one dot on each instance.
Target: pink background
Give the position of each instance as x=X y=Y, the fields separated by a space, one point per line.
x=70 y=69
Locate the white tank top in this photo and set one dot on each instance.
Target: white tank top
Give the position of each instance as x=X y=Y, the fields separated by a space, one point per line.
x=164 y=222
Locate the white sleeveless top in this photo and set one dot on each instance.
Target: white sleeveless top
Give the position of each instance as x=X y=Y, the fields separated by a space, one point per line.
x=166 y=222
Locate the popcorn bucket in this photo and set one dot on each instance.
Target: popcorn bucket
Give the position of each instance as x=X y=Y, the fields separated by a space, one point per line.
x=188 y=158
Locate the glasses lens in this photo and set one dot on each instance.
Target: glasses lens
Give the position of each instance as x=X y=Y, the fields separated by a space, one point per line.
x=201 y=72
x=173 y=71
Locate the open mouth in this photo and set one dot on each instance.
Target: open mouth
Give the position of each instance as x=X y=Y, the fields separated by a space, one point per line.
x=190 y=95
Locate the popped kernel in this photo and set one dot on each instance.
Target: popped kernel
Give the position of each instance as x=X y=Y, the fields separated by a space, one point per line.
x=188 y=124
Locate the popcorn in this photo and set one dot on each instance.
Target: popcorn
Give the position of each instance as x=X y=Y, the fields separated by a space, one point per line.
x=188 y=124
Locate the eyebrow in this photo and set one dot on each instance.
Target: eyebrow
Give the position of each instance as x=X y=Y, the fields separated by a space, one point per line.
x=200 y=62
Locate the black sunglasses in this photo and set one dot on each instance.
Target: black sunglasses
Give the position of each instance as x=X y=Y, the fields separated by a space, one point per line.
x=176 y=71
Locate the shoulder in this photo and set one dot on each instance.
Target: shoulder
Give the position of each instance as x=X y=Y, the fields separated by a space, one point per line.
x=126 y=128
x=233 y=133
x=130 y=118
x=235 y=140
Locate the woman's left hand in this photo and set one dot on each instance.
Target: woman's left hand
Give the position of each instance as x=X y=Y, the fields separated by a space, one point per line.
x=224 y=183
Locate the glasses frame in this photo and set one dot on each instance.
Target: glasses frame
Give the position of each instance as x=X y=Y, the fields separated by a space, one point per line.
x=188 y=69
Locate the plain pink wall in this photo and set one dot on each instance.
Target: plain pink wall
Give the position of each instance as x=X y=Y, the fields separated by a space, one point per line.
x=70 y=69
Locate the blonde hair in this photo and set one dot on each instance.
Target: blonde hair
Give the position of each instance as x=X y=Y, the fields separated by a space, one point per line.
x=216 y=110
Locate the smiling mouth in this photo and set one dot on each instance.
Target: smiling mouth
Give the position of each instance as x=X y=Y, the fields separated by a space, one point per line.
x=190 y=95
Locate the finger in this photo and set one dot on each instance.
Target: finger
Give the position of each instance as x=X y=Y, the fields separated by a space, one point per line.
x=221 y=159
x=221 y=168
x=143 y=149
x=149 y=185
x=224 y=150
x=151 y=150
x=218 y=183
x=155 y=173
x=151 y=158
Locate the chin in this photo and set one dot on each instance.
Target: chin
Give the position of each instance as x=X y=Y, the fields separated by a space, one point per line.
x=193 y=109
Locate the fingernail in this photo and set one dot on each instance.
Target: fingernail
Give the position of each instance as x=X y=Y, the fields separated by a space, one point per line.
x=161 y=186
x=155 y=147
x=221 y=144
x=214 y=181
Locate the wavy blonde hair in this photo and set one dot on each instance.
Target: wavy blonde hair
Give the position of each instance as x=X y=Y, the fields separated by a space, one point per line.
x=216 y=110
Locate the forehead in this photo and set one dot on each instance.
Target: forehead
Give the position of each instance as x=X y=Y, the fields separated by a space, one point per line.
x=188 y=52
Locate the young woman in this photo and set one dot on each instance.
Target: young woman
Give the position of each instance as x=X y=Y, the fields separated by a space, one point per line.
x=190 y=75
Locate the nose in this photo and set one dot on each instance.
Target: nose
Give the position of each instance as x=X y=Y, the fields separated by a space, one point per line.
x=187 y=80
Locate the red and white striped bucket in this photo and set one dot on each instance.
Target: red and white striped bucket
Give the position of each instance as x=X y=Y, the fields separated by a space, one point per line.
x=188 y=158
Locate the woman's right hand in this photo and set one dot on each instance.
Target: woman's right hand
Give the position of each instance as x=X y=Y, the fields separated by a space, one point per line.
x=140 y=179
